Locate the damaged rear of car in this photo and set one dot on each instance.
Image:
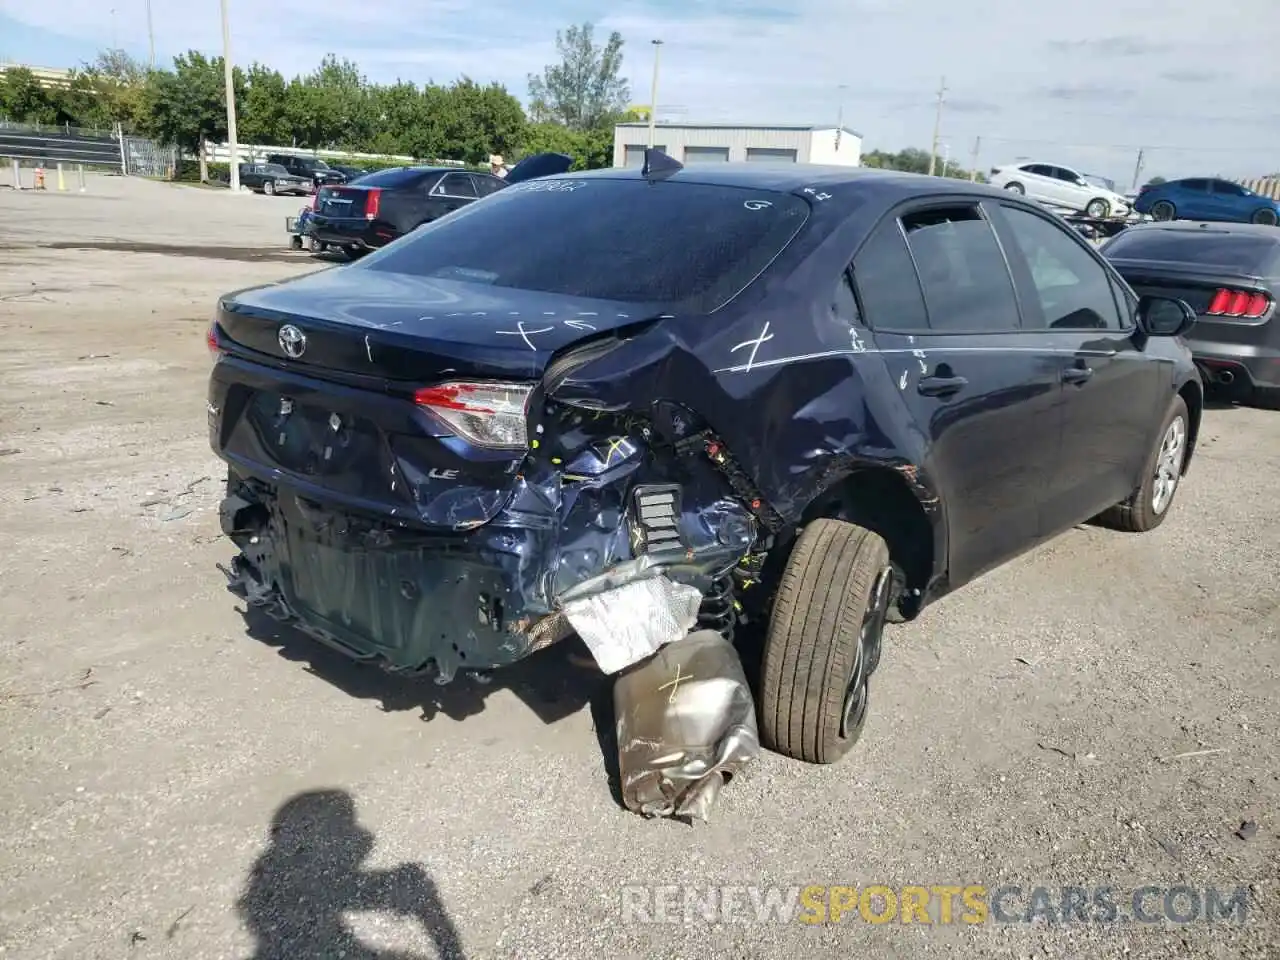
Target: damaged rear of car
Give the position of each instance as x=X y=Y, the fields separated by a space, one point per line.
x=418 y=477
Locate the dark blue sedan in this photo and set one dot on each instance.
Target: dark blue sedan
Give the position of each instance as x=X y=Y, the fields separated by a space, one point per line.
x=1206 y=198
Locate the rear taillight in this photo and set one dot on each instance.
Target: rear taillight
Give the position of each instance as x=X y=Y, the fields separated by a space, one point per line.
x=371 y=204
x=211 y=341
x=1246 y=304
x=492 y=415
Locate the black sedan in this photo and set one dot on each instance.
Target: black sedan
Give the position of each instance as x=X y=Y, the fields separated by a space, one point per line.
x=390 y=203
x=1230 y=275
x=271 y=179
x=593 y=401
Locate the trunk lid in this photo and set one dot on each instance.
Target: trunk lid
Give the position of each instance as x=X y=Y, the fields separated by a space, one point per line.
x=341 y=201
x=1193 y=283
x=539 y=165
x=401 y=330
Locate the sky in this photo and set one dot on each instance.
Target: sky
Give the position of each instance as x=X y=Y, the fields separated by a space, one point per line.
x=1085 y=83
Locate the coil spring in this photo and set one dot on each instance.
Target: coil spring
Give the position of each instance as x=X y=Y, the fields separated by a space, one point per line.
x=718 y=610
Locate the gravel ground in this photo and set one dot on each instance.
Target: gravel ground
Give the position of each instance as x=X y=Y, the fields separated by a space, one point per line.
x=181 y=780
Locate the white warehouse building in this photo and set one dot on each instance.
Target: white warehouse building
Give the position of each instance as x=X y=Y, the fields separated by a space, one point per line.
x=724 y=142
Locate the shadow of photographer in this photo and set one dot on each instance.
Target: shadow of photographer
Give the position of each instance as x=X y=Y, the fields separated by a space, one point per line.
x=313 y=872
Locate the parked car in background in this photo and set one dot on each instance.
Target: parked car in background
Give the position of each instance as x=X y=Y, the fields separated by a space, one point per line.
x=1061 y=186
x=351 y=173
x=387 y=204
x=818 y=395
x=272 y=178
x=1230 y=275
x=313 y=168
x=1207 y=198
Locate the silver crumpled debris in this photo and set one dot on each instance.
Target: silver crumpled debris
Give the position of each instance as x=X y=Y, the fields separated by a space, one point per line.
x=686 y=722
x=625 y=624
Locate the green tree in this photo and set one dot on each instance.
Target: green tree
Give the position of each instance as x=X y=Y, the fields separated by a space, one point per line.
x=264 y=114
x=475 y=121
x=583 y=90
x=24 y=100
x=188 y=106
x=1156 y=181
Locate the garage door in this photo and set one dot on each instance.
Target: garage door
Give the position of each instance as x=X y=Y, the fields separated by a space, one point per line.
x=771 y=155
x=706 y=154
x=633 y=154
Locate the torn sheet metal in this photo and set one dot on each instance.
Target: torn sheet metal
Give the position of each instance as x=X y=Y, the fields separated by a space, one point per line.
x=624 y=625
x=686 y=723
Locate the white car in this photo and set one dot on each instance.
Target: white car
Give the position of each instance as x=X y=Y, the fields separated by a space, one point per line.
x=1061 y=186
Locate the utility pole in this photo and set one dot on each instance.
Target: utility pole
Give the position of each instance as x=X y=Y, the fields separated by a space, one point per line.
x=1137 y=170
x=151 y=37
x=973 y=160
x=653 y=92
x=231 y=99
x=937 y=125
x=114 y=45
x=840 y=90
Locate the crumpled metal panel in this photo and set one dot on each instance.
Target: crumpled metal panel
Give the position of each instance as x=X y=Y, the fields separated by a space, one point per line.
x=624 y=625
x=686 y=723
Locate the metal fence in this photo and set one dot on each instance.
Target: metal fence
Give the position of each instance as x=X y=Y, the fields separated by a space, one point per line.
x=146 y=158
x=1263 y=186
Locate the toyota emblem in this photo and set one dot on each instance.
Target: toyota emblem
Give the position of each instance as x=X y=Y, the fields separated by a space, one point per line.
x=292 y=341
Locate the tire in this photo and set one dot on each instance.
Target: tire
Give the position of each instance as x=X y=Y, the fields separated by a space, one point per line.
x=1265 y=398
x=269 y=188
x=1097 y=208
x=1015 y=187
x=1140 y=512
x=1264 y=217
x=1163 y=210
x=823 y=641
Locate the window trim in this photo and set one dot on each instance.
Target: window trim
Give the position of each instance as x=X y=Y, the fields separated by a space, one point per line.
x=437 y=192
x=917 y=205
x=1108 y=270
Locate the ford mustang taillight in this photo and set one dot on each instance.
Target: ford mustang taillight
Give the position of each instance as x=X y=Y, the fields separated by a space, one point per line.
x=1245 y=304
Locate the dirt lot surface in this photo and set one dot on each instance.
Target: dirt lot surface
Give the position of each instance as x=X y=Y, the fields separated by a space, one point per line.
x=179 y=780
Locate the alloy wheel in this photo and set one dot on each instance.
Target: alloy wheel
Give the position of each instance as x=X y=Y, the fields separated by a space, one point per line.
x=1169 y=465
x=869 y=638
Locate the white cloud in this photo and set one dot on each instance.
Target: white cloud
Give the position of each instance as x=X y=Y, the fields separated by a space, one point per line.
x=1089 y=87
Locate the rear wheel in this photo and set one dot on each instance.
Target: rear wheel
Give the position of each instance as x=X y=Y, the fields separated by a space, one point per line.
x=1265 y=217
x=823 y=641
x=1265 y=398
x=1163 y=210
x=1015 y=187
x=1097 y=208
x=1146 y=507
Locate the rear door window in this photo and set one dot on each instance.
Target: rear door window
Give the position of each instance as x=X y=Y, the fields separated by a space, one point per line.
x=966 y=282
x=1074 y=290
x=594 y=237
x=887 y=283
x=455 y=185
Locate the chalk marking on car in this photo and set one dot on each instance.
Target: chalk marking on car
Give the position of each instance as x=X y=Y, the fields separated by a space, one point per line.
x=521 y=332
x=765 y=335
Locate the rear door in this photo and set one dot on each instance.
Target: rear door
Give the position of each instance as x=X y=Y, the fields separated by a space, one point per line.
x=935 y=287
x=451 y=192
x=1112 y=389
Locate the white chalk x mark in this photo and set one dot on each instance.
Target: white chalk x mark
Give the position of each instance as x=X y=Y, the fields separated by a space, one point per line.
x=524 y=334
x=765 y=336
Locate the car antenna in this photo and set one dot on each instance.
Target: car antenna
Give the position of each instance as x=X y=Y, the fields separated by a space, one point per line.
x=658 y=164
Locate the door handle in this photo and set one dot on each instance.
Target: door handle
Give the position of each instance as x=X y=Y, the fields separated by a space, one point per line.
x=1077 y=375
x=940 y=386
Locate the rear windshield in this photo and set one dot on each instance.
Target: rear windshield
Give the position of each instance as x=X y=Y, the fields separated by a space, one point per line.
x=1254 y=255
x=685 y=246
x=391 y=177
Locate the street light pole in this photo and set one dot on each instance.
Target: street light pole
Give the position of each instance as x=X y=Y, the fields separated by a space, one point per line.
x=231 y=99
x=653 y=92
x=151 y=38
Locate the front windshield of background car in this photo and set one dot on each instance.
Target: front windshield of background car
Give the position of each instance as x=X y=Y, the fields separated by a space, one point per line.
x=687 y=247
x=1103 y=182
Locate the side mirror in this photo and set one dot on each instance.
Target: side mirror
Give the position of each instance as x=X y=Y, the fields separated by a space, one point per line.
x=1164 y=316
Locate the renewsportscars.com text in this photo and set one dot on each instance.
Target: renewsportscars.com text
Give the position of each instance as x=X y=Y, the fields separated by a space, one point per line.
x=940 y=904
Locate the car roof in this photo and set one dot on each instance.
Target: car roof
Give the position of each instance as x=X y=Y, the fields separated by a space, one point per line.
x=1210 y=230
x=792 y=177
